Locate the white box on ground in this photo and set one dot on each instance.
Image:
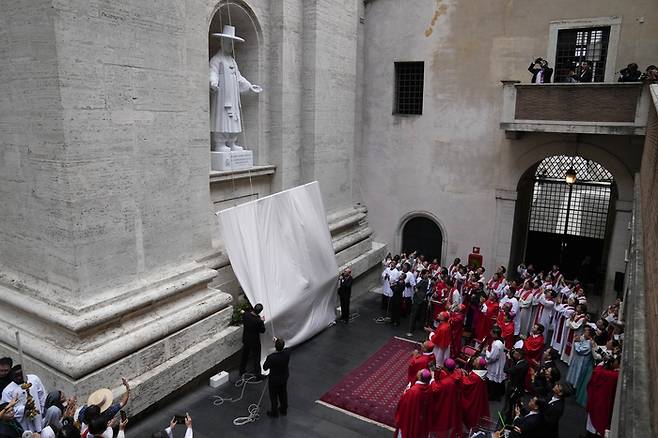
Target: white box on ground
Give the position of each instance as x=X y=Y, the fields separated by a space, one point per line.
x=234 y=160
x=219 y=379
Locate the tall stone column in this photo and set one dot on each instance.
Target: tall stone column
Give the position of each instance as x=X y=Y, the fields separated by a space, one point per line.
x=619 y=244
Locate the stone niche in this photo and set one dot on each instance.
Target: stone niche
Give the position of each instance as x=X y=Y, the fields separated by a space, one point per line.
x=248 y=55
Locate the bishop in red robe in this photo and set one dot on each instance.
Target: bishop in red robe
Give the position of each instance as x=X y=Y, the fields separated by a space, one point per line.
x=601 y=397
x=441 y=337
x=457 y=330
x=414 y=414
x=488 y=318
x=533 y=345
x=474 y=394
x=447 y=416
x=506 y=323
x=421 y=361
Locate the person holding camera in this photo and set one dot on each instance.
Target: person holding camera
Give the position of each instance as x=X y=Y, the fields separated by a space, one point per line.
x=529 y=422
x=630 y=74
x=277 y=381
x=541 y=72
x=516 y=368
x=178 y=419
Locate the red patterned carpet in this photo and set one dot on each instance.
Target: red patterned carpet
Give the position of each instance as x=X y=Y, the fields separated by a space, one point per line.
x=373 y=389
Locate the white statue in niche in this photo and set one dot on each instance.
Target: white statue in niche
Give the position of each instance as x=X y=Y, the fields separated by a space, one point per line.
x=226 y=84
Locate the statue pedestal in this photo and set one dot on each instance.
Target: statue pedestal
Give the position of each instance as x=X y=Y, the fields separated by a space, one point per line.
x=234 y=160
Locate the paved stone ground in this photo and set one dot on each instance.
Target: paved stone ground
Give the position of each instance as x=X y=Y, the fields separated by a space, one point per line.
x=315 y=367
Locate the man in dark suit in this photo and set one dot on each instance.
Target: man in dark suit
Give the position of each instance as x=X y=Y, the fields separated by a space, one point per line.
x=585 y=72
x=555 y=409
x=253 y=326
x=530 y=424
x=516 y=368
x=345 y=292
x=277 y=382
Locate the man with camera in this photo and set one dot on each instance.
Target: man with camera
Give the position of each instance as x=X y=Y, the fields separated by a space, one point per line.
x=541 y=72
x=516 y=368
x=529 y=422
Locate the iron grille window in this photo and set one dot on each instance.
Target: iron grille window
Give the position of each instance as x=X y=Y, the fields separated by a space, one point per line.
x=579 y=210
x=575 y=46
x=588 y=209
x=409 y=78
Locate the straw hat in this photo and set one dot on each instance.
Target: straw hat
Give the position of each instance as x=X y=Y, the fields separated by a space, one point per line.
x=102 y=398
x=228 y=32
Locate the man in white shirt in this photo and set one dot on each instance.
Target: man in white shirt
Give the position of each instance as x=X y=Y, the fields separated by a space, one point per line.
x=34 y=422
x=409 y=285
x=390 y=275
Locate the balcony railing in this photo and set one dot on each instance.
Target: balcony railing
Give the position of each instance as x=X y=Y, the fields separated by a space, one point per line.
x=592 y=108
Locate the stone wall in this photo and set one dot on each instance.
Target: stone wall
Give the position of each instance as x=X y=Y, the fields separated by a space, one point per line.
x=108 y=242
x=649 y=203
x=454 y=161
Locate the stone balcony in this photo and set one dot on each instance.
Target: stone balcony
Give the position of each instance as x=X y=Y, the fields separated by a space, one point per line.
x=592 y=108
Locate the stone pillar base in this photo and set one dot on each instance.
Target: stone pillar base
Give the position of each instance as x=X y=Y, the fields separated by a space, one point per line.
x=159 y=336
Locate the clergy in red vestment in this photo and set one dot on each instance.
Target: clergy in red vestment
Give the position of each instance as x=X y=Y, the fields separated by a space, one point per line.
x=446 y=417
x=489 y=312
x=533 y=345
x=441 y=337
x=414 y=413
x=474 y=394
x=421 y=361
x=506 y=323
x=601 y=396
x=457 y=330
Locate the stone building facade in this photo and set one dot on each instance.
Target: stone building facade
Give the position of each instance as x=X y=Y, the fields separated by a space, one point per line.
x=464 y=161
x=112 y=264
x=111 y=260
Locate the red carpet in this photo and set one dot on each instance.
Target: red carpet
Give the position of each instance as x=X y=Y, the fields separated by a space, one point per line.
x=373 y=389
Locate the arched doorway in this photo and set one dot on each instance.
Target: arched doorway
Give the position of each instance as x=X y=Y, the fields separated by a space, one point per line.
x=565 y=224
x=423 y=235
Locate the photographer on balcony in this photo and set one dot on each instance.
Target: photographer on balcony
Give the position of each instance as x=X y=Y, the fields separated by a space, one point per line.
x=541 y=72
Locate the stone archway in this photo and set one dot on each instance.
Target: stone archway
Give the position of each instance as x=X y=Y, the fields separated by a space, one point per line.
x=513 y=205
x=423 y=232
x=248 y=55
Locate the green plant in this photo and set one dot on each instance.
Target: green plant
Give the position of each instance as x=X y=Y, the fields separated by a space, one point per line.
x=238 y=310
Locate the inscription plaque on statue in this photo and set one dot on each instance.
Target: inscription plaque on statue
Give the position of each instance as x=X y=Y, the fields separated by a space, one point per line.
x=234 y=160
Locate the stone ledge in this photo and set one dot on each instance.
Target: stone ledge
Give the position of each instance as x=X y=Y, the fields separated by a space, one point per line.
x=574 y=127
x=77 y=356
x=127 y=299
x=217 y=176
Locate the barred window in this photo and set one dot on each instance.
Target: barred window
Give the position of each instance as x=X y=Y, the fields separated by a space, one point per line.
x=578 y=210
x=575 y=46
x=409 y=77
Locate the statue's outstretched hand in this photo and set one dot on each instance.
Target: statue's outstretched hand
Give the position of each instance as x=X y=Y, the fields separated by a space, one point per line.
x=256 y=88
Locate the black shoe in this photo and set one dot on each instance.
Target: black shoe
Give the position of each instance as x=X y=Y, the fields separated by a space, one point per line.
x=272 y=414
x=259 y=378
x=283 y=413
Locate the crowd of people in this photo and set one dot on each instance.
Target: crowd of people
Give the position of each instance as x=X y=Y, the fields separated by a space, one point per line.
x=28 y=410
x=501 y=337
x=542 y=73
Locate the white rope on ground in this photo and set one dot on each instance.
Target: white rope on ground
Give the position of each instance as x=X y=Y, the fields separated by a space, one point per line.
x=253 y=409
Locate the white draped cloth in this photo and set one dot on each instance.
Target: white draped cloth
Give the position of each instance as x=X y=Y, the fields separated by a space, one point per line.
x=281 y=252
